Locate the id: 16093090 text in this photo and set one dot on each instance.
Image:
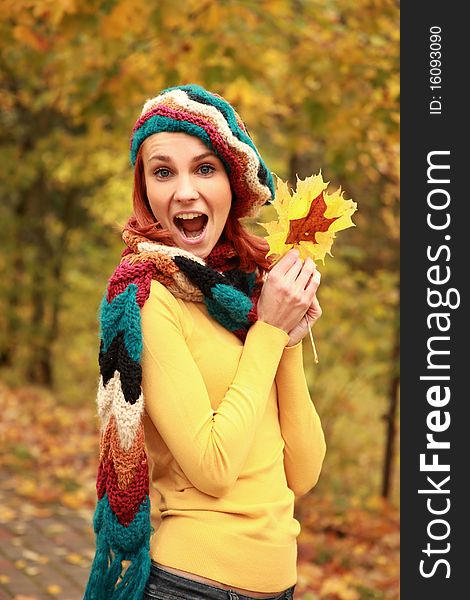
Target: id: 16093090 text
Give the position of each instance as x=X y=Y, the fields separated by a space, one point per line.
x=435 y=72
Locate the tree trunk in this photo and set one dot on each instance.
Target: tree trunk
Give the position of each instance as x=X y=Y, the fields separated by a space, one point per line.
x=300 y=165
x=15 y=289
x=390 y=419
x=40 y=370
x=14 y=294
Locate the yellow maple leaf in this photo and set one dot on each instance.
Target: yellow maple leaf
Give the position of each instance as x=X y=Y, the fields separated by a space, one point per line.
x=308 y=218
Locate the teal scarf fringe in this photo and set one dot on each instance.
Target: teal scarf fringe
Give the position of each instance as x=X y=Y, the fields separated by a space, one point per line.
x=132 y=543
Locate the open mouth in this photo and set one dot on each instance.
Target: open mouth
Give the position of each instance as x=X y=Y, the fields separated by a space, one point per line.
x=191 y=225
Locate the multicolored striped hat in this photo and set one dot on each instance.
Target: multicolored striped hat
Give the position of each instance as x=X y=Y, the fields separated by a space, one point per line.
x=193 y=110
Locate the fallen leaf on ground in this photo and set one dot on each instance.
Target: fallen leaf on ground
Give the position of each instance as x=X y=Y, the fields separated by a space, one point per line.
x=53 y=589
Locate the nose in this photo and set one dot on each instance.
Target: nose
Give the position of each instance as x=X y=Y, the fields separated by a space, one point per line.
x=185 y=189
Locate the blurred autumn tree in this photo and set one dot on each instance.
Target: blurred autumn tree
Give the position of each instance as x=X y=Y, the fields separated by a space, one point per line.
x=317 y=84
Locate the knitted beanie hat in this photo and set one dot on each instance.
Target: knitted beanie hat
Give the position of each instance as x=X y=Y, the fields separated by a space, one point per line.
x=193 y=110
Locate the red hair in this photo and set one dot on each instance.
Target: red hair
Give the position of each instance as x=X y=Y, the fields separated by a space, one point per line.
x=251 y=249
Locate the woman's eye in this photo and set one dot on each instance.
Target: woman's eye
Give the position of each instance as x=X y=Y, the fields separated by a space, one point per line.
x=206 y=169
x=162 y=172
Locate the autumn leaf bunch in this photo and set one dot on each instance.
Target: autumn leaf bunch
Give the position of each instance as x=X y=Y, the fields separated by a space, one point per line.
x=308 y=218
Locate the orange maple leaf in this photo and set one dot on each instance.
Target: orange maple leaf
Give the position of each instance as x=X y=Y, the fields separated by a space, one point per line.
x=306 y=228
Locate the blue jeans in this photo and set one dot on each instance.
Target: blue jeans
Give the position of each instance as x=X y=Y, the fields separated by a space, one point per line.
x=162 y=585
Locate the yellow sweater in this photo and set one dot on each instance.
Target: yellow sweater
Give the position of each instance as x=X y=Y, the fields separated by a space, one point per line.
x=232 y=437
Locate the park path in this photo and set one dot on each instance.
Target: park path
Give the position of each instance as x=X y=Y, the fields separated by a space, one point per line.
x=45 y=552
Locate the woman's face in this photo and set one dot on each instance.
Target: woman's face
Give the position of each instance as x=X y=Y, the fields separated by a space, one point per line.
x=188 y=189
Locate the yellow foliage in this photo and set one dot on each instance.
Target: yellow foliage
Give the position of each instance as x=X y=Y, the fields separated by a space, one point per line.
x=29 y=37
x=125 y=18
x=312 y=208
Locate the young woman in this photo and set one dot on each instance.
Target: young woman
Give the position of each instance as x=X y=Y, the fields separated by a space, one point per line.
x=201 y=325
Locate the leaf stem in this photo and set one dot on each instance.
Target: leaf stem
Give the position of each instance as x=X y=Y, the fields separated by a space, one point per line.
x=315 y=355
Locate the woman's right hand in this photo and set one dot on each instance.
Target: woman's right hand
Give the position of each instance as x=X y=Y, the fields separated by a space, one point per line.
x=288 y=292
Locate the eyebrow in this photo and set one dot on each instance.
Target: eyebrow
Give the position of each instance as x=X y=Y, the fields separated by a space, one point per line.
x=166 y=158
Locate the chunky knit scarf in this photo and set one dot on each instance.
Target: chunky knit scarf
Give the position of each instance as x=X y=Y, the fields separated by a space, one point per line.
x=122 y=516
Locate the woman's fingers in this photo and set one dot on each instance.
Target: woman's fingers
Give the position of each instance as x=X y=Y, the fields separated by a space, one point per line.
x=314 y=310
x=289 y=291
x=285 y=272
x=286 y=262
x=296 y=274
x=314 y=281
x=305 y=275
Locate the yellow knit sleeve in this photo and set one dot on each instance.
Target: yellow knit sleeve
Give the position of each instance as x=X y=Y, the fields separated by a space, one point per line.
x=301 y=429
x=210 y=446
